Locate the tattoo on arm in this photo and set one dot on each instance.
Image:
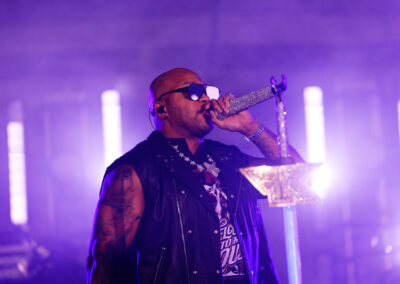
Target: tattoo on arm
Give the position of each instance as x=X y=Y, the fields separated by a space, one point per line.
x=269 y=154
x=269 y=147
x=118 y=216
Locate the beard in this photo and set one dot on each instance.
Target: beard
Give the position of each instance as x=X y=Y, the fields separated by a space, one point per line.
x=200 y=130
x=195 y=123
x=198 y=126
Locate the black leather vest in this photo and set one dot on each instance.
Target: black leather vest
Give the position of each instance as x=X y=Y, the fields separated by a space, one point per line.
x=178 y=237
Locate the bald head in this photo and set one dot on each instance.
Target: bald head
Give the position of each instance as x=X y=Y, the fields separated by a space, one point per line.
x=175 y=114
x=168 y=81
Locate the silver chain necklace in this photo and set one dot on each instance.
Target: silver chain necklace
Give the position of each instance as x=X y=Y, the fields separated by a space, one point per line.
x=210 y=166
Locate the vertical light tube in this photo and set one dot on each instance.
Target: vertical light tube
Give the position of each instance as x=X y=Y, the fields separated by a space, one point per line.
x=17 y=175
x=112 y=136
x=292 y=245
x=315 y=131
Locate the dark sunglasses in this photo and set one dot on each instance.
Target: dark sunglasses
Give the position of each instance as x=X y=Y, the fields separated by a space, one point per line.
x=195 y=91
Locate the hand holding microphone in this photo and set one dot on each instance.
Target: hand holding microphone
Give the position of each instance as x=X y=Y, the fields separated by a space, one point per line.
x=241 y=103
x=243 y=122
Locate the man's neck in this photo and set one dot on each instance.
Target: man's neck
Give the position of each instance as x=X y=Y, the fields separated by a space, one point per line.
x=192 y=142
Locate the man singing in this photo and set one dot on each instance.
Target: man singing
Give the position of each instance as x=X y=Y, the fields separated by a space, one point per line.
x=175 y=209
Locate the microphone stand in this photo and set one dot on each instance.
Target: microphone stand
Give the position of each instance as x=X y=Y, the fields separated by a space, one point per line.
x=285 y=185
x=289 y=212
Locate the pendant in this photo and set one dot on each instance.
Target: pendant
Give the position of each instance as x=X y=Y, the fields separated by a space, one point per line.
x=212 y=168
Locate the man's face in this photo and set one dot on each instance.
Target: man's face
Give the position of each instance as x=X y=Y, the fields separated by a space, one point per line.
x=185 y=116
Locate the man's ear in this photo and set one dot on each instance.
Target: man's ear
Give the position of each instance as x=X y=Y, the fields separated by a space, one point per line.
x=160 y=110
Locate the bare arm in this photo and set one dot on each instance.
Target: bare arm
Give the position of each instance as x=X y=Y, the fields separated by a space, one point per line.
x=267 y=143
x=117 y=218
x=244 y=123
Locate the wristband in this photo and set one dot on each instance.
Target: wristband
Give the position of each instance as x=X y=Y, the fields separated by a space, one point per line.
x=256 y=133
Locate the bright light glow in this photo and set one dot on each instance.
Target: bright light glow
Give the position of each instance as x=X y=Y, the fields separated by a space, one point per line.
x=388 y=249
x=374 y=241
x=212 y=92
x=315 y=131
x=17 y=175
x=321 y=180
x=111 y=125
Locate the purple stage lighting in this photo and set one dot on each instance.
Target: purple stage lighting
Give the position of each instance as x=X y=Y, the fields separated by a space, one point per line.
x=111 y=125
x=315 y=130
x=16 y=164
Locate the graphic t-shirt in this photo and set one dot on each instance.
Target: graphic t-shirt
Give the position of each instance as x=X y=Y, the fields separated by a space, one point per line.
x=232 y=262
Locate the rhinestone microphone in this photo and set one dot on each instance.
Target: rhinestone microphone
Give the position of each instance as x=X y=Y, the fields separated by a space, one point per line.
x=246 y=101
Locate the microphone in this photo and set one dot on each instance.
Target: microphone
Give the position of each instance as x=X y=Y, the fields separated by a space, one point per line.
x=253 y=98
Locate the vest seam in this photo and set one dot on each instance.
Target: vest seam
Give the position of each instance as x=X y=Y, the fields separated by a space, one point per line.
x=181 y=228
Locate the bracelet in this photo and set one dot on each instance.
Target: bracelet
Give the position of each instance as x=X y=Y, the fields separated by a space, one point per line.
x=256 y=133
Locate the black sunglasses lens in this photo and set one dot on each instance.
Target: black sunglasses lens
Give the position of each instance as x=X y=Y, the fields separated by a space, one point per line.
x=196 y=91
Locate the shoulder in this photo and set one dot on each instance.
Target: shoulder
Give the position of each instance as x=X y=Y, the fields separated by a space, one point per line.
x=140 y=155
x=132 y=157
x=126 y=168
x=143 y=160
x=120 y=181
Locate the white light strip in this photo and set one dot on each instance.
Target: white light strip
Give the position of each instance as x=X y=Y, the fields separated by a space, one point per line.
x=111 y=125
x=314 y=111
x=398 y=114
x=315 y=130
x=17 y=175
